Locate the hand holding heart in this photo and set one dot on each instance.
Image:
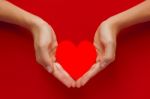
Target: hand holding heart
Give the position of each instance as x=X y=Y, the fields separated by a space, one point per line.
x=105 y=44
x=45 y=44
x=78 y=63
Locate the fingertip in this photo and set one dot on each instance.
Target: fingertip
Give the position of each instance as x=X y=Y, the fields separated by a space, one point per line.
x=68 y=86
x=69 y=82
x=78 y=84
x=73 y=84
x=83 y=83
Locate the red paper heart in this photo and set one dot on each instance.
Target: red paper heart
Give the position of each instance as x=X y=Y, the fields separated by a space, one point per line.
x=76 y=60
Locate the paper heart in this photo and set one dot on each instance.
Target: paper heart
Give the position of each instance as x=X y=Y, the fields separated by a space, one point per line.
x=76 y=60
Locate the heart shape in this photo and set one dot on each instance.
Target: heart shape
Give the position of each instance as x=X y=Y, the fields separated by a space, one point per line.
x=76 y=60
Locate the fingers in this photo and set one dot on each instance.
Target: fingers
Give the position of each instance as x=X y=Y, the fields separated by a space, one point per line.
x=63 y=76
x=105 y=45
x=88 y=75
x=96 y=68
x=56 y=69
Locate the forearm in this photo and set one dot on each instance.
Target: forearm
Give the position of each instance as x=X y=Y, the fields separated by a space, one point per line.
x=135 y=15
x=15 y=15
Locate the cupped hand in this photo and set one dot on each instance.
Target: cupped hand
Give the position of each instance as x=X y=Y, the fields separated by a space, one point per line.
x=45 y=44
x=105 y=44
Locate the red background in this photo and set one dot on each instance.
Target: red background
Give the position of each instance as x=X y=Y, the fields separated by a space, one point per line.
x=22 y=78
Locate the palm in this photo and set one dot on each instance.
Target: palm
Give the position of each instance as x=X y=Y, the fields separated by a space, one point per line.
x=45 y=43
x=105 y=44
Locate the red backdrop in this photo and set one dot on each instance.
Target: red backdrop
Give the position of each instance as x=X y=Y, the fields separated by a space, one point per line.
x=22 y=78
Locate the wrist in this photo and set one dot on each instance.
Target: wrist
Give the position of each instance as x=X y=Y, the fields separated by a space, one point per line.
x=111 y=27
x=117 y=23
x=114 y=24
x=36 y=25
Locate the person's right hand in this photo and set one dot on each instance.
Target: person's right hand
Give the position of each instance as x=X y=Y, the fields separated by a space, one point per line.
x=45 y=44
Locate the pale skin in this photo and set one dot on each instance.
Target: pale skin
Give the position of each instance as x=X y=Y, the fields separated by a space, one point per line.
x=45 y=41
x=106 y=34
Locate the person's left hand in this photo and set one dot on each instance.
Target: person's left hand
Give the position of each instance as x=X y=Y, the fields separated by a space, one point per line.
x=105 y=44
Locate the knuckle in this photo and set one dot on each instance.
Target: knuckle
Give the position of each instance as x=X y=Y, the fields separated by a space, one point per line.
x=113 y=59
x=110 y=42
x=41 y=45
x=110 y=59
x=38 y=60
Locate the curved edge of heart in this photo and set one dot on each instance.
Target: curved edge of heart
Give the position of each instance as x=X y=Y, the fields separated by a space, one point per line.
x=76 y=59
